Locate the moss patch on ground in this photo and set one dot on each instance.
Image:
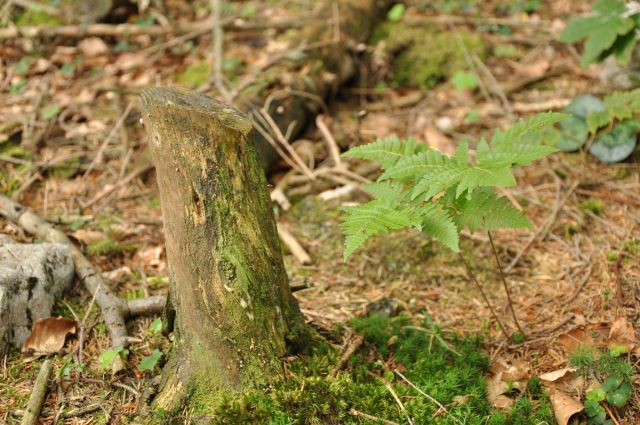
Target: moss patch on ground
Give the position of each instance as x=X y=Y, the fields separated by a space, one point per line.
x=448 y=368
x=424 y=57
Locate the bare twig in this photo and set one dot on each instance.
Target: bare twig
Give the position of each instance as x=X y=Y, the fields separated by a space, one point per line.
x=294 y=246
x=111 y=30
x=396 y=398
x=332 y=146
x=360 y=414
x=98 y=158
x=504 y=284
x=472 y=277
x=38 y=395
x=349 y=351
x=218 y=53
x=135 y=173
x=441 y=407
x=543 y=230
x=148 y=305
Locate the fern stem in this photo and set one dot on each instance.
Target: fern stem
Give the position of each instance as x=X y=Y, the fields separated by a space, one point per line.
x=504 y=283
x=472 y=277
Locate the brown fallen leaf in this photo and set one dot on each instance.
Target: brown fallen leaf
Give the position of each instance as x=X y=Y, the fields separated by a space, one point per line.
x=533 y=69
x=92 y=47
x=88 y=236
x=564 y=406
x=48 y=335
x=496 y=388
x=557 y=374
x=622 y=333
x=438 y=140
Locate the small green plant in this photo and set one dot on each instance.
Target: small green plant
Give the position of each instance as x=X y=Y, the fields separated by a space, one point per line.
x=610 y=368
x=610 y=30
x=441 y=195
x=109 y=356
x=149 y=363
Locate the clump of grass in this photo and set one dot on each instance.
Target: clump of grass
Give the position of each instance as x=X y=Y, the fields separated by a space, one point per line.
x=452 y=371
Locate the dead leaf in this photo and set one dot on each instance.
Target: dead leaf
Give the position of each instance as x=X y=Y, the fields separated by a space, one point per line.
x=531 y=70
x=564 y=406
x=557 y=374
x=88 y=236
x=622 y=333
x=48 y=335
x=93 y=46
x=496 y=388
x=438 y=140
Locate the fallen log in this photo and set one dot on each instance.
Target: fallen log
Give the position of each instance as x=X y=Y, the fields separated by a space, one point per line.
x=320 y=59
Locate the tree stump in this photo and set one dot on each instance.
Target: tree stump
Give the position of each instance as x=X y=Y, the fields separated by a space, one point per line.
x=234 y=312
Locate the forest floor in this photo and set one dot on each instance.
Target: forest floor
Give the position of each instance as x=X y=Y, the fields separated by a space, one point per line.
x=74 y=151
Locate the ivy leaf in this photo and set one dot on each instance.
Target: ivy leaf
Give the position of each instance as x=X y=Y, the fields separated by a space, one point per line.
x=612 y=383
x=620 y=396
x=575 y=129
x=574 y=133
x=615 y=146
x=149 y=363
x=597 y=394
x=600 y=30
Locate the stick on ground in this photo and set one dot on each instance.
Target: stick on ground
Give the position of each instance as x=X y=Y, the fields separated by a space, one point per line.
x=38 y=395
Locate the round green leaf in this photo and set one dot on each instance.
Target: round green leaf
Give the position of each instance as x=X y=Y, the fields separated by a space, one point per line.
x=612 y=383
x=574 y=134
x=620 y=396
x=584 y=105
x=596 y=394
x=615 y=146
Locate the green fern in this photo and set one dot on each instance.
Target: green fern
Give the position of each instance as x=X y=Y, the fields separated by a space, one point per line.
x=386 y=151
x=422 y=188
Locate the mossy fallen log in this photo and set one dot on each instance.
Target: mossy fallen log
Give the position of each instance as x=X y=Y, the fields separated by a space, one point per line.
x=324 y=60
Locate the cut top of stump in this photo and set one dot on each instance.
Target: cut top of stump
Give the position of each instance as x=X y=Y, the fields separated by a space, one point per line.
x=191 y=101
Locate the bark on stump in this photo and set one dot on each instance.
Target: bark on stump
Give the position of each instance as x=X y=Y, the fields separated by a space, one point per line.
x=234 y=312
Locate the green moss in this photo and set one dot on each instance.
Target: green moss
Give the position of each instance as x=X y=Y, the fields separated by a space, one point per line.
x=454 y=376
x=426 y=56
x=35 y=17
x=195 y=75
x=109 y=246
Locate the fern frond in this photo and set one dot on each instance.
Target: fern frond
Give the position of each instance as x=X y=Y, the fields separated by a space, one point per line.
x=387 y=192
x=374 y=218
x=485 y=210
x=438 y=223
x=623 y=105
x=511 y=148
x=416 y=165
x=387 y=151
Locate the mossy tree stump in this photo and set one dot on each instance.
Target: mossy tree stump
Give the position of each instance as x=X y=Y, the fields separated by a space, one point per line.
x=234 y=312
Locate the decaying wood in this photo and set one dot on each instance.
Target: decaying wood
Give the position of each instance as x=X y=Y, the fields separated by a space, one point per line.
x=234 y=312
x=38 y=394
x=324 y=62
